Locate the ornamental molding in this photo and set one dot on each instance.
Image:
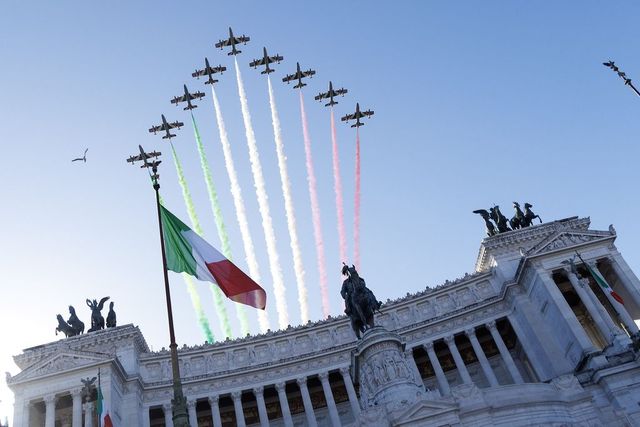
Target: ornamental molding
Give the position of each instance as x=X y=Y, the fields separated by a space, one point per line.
x=61 y=362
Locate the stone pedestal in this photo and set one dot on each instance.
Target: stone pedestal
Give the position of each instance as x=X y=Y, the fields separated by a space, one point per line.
x=388 y=384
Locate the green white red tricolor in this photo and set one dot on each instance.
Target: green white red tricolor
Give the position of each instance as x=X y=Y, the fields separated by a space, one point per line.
x=189 y=253
x=601 y=281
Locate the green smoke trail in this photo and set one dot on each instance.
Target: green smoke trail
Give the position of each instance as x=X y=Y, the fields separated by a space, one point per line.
x=191 y=210
x=217 y=215
x=197 y=305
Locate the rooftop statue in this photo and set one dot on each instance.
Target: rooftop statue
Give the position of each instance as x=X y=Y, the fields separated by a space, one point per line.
x=501 y=224
x=111 y=317
x=72 y=327
x=360 y=303
x=97 y=321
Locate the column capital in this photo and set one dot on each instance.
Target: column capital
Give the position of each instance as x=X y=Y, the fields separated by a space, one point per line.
x=235 y=395
x=280 y=387
x=259 y=390
x=191 y=403
x=213 y=400
x=167 y=406
x=302 y=382
x=428 y=346
x=76 y=392
x=344 y=371
x=449 y=339
x=89 y=405
x=470 y=332
x=491 y=325
x=50 y=399
x=324 y=376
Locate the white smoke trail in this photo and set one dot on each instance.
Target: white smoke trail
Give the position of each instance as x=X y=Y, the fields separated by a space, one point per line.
x=238 y=202
x=279 y=290
x=288 y=206
x=337 y=186
x=315 y=212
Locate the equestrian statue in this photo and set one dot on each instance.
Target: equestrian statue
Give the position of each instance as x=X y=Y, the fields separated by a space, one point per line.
x=360 y=303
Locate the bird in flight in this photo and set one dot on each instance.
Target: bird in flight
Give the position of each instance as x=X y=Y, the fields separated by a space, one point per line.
x=83 y=158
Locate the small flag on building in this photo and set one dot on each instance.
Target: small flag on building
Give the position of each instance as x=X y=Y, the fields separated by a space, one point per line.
x=602 y=282
x=102 y=407
x=189 y=253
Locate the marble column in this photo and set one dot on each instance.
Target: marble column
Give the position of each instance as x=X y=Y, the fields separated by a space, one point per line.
x=258 y=392
x=482 y=358
x=193 y=415
x=215 y=410
x=284 y=404
x=237 y=406
x=76 y=411
x=168 y=414
x=26 y=414
x=440 y=376
x=408 y=354
x=146 y=419
x=620 y=267
x=50 y=410
x=351 y=391
x=306 y=401
x=331 y=403
x=622 y=311
x=504 y=353
x=592 y=307
x=88 y=414
x=462 y=368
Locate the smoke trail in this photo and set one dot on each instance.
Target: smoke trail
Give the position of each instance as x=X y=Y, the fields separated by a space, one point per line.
x=238 y=201
x=263 y=204
x=315 y=211
x=217 y=215
x=197 y=305
x=337 y=186
x=191 y=210
x=288 y=206
x=356 y=217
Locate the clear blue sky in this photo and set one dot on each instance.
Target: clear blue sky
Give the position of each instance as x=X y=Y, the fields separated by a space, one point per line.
x=475 y=103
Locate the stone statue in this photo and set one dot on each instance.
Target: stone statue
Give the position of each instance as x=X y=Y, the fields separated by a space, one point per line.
x=111 y=317
x=518 y=219
x=529 y=216
x=97 y=321
x=74 y=322
x=491 y=229
x=500 y=220
x=360 y=303
x=64 y=327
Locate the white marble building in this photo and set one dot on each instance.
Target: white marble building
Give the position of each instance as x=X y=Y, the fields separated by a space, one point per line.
x=521 y=341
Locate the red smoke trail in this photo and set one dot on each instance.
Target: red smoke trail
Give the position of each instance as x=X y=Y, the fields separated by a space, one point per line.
x=315 y=211
x=356 y=217
x=337 y=186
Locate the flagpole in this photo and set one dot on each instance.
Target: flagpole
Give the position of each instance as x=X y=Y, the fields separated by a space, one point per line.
x=179 y=403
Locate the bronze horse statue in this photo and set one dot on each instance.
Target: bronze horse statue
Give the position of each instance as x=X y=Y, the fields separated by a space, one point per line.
x=518 y=219
x=501 y=221
x=360 y=302
x=529 y=216
x=64 y=327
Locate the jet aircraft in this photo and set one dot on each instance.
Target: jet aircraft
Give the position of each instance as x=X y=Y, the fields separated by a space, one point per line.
x=330 y=94
x=299 y=75
x=357 y=116
x=232 y=41
x=266 y=60
x=144 y=157
x=83 y=158
x=187 y=97
x=209 y=71
x=165 y=127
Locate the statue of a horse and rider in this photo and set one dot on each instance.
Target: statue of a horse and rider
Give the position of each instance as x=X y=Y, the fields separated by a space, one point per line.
x=360 y=303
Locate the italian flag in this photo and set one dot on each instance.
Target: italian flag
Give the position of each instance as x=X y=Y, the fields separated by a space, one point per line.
x=189 y=253
x=603 y=284
x=104 y=419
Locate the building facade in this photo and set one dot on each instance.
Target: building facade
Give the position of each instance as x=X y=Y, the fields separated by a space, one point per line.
x=526 y=339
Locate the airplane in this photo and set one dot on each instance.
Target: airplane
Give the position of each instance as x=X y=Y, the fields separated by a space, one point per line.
x=357 y=116
x=299 y=75
x=266 y=60
x=208 y=70
x=187 y=97
x=166 y=126
x=83 y=158
x=144 y=156
x=330 y=94
x=232 y=41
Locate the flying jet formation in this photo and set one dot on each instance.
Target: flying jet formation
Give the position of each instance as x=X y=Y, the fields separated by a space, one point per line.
x=298 y=75
x=266 y=60
x=330 y=94
x=209 y=71
x=187 y=97
x=83 y=158
x=144 y=157
x=357 y=116
x=165 y=127
x=232 y=41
